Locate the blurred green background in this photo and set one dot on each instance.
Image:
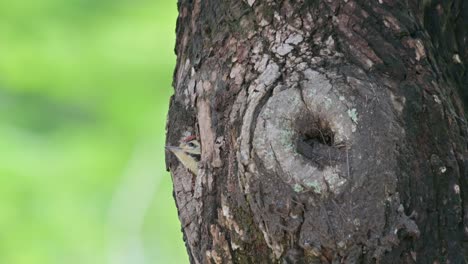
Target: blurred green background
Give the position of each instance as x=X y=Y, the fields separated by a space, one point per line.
x=84 y=92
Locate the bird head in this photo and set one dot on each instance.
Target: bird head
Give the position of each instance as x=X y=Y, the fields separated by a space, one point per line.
x=188 y=153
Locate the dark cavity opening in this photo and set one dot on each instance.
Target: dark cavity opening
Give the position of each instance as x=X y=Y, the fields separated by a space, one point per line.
x=313 y=130
x=315 y=141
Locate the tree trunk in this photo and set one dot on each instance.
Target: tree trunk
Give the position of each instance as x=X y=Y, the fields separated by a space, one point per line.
x=331 y=131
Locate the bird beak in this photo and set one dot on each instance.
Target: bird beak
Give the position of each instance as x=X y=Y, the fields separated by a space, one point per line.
x=171 y=148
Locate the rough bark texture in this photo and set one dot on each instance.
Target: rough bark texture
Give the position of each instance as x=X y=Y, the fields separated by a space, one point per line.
x=331 y=131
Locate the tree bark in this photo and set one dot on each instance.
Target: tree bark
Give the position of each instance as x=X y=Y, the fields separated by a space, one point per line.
x=331 y=131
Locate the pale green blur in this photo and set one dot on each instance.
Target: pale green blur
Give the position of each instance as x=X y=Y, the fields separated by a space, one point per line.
x=84 y=92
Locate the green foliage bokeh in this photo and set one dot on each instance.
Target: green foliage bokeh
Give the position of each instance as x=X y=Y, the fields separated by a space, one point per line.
x=84 y=92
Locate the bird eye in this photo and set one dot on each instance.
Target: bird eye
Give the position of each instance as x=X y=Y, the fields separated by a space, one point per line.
x=190 y=144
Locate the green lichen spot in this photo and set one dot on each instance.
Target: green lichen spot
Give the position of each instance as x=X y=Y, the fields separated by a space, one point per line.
x=352 y=113
x=313 y=185
x=298 y=188
x=328 y=103
x=285 y=139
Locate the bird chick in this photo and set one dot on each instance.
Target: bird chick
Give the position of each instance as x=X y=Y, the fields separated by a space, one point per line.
x=188 y=153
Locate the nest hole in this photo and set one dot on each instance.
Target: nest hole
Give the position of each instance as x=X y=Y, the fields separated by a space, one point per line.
x=316 y=142
x=314 y=130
